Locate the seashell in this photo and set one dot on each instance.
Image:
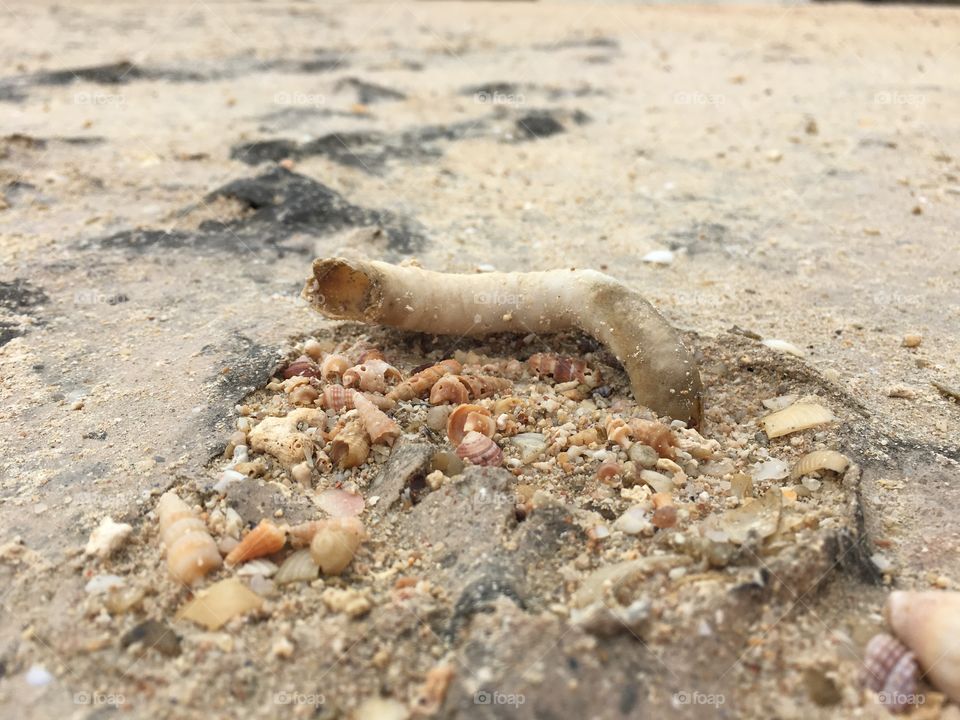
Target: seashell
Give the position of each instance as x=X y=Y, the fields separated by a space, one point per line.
x=478 y=449
x=219 y=603
x=257 y=566
x=333 y=366
x=429 y=697
x=419 y=384
x=655 y=434
x=302 y=533
x=449 y=389
x=265 y=539
x=563 y=369
x=298 y=567
x=820 y=460
x=283 y=438
x=313 y=349
x=799 y=416
x=928 y=622
x=191 y=552
x=372 y=376
x=303 y=395
x=335 y=542
x=890 y=669
x=337 y=397
x=608 y=471
x=340 y=503
x=585 y=437
x=303 y=366
x=107 y=538
x=379 y=427
x=350 y=447
x=370 y=354
x=507 y=405
x=461 y=415
x=619 y=432
x=531 y=446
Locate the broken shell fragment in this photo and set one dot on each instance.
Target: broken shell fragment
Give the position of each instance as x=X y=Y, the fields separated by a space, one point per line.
x=800 y=416
x=371 y=376
x=340 y=503
x=466 y=418
x=760 y=517
x=478 y=449
x=283 y=437
x=265 y=539
x=379 y=427
x=107 y=538
x=350 y=447
x=298 y=567
x=219 y=603
x=890 y=669
x=191 y=551
x=928 y=622
x=333 y=367
x=420 y=384
x=654 y=434
x=820 y=460
x=335 y=542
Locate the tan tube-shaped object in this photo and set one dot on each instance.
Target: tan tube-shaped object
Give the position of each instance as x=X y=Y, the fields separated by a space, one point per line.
x=662 y=370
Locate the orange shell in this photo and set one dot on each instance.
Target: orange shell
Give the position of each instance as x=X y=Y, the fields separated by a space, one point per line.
x=460 y=416
x=265 y=539
x=419 y=384
x=379 y=427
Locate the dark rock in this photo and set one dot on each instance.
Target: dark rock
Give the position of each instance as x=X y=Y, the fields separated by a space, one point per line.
x=409 y=462
x=20 y=295
x=369 y=93
x=538 y=125
x=109 y=74
x=153 y=635
x=256 y=499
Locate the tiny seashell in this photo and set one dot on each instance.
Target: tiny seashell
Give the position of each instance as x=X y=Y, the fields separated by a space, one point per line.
x=340 y=503
x=379 y=427
x=618 y=432
x=655 y=434
x=216 y=605
x=337 y=398
x=191 y=551
x=303 y=366
x=563 y=369
x=265 y=539
x=350 y=447
x=371 y=354
x=890 y=669
x=259 y=566
x=419 y=384
x=461 y=415
x=449 y=389
x=371 y=376
x=478 y=449
x=461 y=388
x=608 y=470
x=820 y=460
x=303 y=395
x=800 y=416
x=335 y=542
x=298 y=567
x=333 y=366
x=313 y=349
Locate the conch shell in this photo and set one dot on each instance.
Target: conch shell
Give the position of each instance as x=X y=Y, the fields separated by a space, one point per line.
x=191 y=552
x=420 y=384
x=350 y=447
x=373 y=376
x=282 y=438
x=478 y=449
x=379 y=427
x=461 y=388
x=467 y=418
x=928 y=622
x=265 y=539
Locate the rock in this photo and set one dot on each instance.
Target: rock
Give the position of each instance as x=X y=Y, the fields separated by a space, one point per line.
x=153 y=635
x=256 y=499
x=107 y=538
x=912 y=341
x=409 y=464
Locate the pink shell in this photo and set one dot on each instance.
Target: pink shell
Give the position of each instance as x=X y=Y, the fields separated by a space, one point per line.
x=336 y=397
x=372 y=375
x=478 y=449
x=339 y=503
x=890 y=670
x=304 y=366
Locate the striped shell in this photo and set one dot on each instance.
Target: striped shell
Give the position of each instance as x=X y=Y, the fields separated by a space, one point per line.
x=333 y=366
x=478 y=449
x=563 y=369
x=350 y=447
x=820 y=460
x=379 y=427
x=419 y=384
x=799 y=416
x=303 y=366
x=265 y=539
x=890 y=669
x=372 y=376
x=467 y=418
x=299 y=567
x=191 y=552
x=461 y=388
x=337 y=398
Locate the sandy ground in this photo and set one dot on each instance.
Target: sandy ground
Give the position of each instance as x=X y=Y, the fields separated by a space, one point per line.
x=801 y=162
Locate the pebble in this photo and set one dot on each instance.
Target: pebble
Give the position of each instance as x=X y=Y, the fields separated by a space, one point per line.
x=634 y=521
x=38 y=676
x=107 y=538
x=912 y=341
x=102 y=584
x=658 y=257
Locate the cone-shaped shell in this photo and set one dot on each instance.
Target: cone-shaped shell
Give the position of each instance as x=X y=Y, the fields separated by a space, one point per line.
x=191 y=552
x=478 y=449
x=337 y=398
x=449 y=389
x=929 y=624
x=379 y=427
x=265 y=539
x=350 y=447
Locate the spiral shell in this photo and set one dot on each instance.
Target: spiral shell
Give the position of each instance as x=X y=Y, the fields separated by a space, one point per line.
x=890 y=669
x=472 y=387
x=335 y=542
x=350 y=447
x=265 y=539
x=478 y=449
x=333 y=366
x=819 y=460
x=467 y=418
x=337 y=398
x=563 y=369
x=372 y=375
x=303 y=394
x=191 y=552
x=303 y=366
x=283 y=438
x=379 y=427
x=419 y=384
